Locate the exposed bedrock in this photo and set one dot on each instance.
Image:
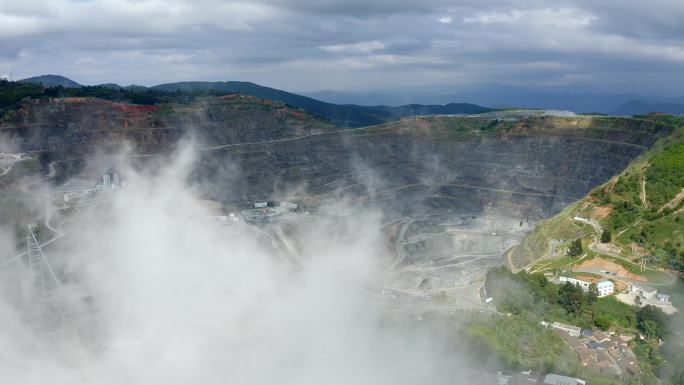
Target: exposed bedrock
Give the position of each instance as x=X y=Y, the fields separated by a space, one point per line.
x=454 y=192
x=527 y=176
x=454 y=206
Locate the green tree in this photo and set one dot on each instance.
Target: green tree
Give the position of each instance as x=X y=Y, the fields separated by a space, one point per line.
x=576 y=248
x=658 y=325
x=592 y=294
x=650 y=328
x=571 y=298
x=602 y=321
x=606 y=236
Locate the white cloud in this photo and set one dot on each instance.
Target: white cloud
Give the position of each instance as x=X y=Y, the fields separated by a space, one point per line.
x=360 y=47
x=563 y=17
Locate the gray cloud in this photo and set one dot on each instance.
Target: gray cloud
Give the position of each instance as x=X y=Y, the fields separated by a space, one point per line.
x=307 y=45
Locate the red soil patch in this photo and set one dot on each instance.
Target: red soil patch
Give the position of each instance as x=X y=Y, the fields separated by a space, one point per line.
x=601 y=212
x=71 y=100
x=134 y=108
x=600 y=263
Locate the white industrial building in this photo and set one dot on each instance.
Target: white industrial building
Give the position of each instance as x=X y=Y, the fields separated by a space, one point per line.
x=644 y=291
x=289 y=206
x=231 y=217
x=605 y=288
x=665 y=298
x=111 y=180
x=77 y=189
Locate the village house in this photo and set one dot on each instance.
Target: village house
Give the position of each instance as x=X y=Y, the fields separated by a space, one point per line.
x=571 y=330
x=584 y=285
x=605 y=288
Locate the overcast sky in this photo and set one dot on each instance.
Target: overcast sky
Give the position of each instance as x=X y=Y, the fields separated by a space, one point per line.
x=306 y=45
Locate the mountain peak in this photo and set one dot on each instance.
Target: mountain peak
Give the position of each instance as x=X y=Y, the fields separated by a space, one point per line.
x=52 y=81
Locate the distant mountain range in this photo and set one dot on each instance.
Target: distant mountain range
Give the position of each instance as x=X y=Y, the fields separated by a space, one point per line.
x=347 y=115
x=495 y=95
x=634 y=107
x=354 y=109
x=344 y=115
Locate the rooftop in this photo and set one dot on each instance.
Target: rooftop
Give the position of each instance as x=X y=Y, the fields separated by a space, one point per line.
x=601 y=336
x=77 y=184
x=603 y=284
x=566 y=326
x=594 y=345
x=643 y=287
x=557 y=379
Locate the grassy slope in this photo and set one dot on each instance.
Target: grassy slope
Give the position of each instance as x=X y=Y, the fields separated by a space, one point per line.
x=629 y=219
x=453 y=127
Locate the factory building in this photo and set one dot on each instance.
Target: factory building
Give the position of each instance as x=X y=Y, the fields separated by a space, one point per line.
x=289 y=206
x=111 y=180
x=644 y=291
x=79 y=189
x=665 y=298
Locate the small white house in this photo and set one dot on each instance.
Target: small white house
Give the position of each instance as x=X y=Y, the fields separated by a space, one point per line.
x=605 y=288
x=665 y=298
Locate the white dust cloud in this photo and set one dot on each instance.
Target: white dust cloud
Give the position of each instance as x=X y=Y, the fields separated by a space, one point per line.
x=174 y=299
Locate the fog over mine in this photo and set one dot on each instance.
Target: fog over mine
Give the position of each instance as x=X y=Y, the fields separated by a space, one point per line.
x=161 y=293
x=341 y=192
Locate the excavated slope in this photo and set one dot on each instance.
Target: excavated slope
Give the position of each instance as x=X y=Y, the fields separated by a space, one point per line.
x=454 y=192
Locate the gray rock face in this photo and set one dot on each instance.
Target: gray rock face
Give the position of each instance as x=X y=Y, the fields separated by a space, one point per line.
x=453 y=193
x=529 y=176
x=454 y=206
